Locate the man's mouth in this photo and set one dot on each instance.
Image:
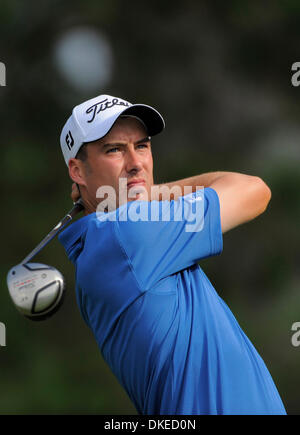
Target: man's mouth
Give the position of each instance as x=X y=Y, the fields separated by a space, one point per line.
x=138 y=182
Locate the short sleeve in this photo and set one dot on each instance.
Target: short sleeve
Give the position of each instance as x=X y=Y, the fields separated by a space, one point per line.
x=173 y=236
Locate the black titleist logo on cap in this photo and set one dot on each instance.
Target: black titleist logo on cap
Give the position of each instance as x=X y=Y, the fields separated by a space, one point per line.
x=69 y=140
x=103 y=105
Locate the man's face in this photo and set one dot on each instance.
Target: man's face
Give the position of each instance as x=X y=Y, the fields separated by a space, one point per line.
x=125 y=152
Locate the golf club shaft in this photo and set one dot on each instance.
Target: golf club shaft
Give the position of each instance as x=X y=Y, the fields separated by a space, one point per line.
x=78 y=206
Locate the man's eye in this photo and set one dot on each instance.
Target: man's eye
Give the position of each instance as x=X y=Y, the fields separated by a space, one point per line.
x=143 y=145
x=112 y=150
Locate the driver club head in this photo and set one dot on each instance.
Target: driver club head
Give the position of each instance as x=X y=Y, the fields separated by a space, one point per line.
x=36 y=289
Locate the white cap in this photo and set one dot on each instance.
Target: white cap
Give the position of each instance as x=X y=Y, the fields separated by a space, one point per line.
x=94 y=118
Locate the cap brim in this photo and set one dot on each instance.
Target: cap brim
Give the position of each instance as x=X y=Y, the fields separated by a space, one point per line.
x=152 y=119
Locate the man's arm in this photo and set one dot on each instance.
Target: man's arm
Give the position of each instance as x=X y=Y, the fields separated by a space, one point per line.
x=242 y=197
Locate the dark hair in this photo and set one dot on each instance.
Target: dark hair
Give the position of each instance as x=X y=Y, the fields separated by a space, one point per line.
x=82 y=153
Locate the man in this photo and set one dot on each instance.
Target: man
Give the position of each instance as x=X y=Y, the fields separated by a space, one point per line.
x=171 y=341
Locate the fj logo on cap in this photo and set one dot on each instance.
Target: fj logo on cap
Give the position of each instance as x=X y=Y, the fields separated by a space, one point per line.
x=69 y=140
x=103 y=105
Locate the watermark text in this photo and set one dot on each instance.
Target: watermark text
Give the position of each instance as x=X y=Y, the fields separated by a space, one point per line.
x=2 y=334
x=157 y=203
x=295 y=79
x=296 y=336
x=2 y=74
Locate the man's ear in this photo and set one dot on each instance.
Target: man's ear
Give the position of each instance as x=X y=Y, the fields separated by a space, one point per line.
x=77 y=171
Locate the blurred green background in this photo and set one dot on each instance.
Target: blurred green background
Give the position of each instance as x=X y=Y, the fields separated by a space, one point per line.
x=220 y=73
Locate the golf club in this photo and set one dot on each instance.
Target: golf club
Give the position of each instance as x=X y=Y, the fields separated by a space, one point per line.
x=37 y=289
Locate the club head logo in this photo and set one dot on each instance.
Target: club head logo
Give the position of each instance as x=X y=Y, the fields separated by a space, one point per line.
x=2 y=74
x=69 y=140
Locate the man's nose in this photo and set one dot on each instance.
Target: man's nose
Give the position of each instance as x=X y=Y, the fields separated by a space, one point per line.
x=133 y=161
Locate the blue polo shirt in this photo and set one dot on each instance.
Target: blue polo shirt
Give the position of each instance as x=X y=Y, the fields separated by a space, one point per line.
x=171 y=341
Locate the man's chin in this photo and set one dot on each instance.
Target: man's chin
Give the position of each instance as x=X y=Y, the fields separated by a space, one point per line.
x=138 y=197
x=138 y=193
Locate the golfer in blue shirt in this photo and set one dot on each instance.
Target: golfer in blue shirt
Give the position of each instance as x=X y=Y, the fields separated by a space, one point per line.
x=169 y=338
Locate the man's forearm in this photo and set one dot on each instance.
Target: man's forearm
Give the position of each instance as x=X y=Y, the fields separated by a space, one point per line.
x=242 y=197
x=193 y=183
